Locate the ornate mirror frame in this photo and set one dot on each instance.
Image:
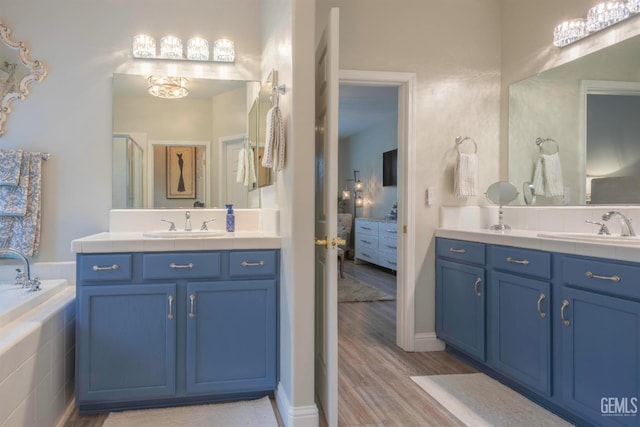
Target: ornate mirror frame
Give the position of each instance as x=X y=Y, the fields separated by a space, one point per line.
x=36 y=72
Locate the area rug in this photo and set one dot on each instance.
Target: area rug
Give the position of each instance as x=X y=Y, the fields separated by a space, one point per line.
x=352 y=290
x=251 y=413
x=478 y=400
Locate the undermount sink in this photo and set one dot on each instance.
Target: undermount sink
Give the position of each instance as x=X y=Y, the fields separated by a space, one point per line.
x=182 y=234
x=589 y=237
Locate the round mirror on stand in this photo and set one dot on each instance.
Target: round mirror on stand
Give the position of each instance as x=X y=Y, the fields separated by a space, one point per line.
x=501 y=193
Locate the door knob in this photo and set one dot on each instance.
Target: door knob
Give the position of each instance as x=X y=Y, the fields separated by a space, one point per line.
x=322 y=242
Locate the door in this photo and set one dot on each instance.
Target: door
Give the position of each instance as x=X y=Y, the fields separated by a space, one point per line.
x=326 y=220
x=460 y=307
x=126 y=342
x=600 y=356
x=521 y=329
x=231 y=336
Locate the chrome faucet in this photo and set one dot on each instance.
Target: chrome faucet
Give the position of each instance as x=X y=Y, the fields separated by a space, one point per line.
x=187 y=221
x=23 y=278
x=626 y=229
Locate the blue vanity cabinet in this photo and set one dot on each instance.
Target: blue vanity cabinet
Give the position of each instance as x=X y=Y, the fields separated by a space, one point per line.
x=126 y=341
x=519 y=316
x=169 y=328
x=231 y=325
x=600 y=330
x=460 y=296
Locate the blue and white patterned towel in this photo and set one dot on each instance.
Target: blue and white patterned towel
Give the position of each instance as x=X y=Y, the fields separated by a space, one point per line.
x=10 y=161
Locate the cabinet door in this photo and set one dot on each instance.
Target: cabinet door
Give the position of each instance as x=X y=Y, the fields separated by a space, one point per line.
x=460 y=307
x=521 y=329
x=231 y=336
x=126 y=342
x=601 y=357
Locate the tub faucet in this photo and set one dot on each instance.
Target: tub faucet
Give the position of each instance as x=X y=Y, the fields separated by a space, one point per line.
x=187 y=221
x=23 y=277
x=625 y=223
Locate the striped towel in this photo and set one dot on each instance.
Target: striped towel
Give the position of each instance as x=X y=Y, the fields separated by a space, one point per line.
x=465 y=176
x=274 y=145
x=10 y=161
x=547 y=176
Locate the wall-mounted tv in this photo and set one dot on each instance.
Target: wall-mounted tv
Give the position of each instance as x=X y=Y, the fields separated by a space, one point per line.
x=390 y=168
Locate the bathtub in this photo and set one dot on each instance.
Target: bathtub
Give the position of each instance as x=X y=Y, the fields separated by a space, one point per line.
x=37 y=347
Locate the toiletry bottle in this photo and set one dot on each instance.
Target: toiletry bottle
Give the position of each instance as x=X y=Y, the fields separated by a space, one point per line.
x=231 y=219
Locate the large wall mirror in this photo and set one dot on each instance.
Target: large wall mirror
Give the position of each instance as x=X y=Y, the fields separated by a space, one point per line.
x=17 y=71
x=584 y=114
x=195 y=151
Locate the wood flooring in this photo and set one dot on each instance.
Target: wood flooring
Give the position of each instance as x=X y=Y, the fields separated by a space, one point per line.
x=373 y=382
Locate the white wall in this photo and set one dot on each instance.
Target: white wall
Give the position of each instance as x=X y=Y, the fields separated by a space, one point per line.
x=454 y=47
x=69 y=114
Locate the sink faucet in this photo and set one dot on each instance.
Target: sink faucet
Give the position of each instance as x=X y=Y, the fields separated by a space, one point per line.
x=625 y=223
x=187 y=221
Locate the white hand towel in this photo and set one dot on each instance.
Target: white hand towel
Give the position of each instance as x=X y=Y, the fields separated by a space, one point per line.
x=538 y=178
x=250 y=168
x=240 y=172
x=466 y=175
x=552 y=175
x=274 y=145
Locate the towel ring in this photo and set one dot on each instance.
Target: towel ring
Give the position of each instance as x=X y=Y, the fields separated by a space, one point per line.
x=541 y=141
x=461 y=139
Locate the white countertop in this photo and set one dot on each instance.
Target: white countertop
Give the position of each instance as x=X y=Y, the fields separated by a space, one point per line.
x=135 y=242
x=530 y=239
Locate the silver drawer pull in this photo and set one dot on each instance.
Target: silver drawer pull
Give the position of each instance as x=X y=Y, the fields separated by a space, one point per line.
x=365 y=254
x=392 y=262
x=590 y=275
x=365 y=241
x=365 y=228
x=114 y=267
x=392 y=231
x=518 y=261
x=178 y=266
x=252 y=264
x=192 y=311
x=392 y=247
x=565 y=321
x=475 y=287
x=170 y=316
x=457 y=251
x=540 y=312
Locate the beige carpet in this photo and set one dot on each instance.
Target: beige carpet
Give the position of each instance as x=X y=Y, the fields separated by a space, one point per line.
x=250 y=413
x=352 y=290
x=478 y=400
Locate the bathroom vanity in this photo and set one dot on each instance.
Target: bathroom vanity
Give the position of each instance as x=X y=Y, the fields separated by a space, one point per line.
x=173 y=321
x=546 y=317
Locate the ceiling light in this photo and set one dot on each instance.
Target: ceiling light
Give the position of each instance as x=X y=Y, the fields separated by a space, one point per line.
x=168 y=87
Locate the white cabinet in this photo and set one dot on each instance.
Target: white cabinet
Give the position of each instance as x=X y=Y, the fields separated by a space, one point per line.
x=376 y=242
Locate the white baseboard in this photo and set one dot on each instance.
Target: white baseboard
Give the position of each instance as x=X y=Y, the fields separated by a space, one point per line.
x=427 y=341
x=67 y=414
x=300 y=416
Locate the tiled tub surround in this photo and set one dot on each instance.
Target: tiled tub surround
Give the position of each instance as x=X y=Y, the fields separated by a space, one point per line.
x=37 y=363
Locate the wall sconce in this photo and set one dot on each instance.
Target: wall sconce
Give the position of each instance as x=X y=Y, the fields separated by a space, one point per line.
x=358 y=200
x=598 y=18
x=144 y=47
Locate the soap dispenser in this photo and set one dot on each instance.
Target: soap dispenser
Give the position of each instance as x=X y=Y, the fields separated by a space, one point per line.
x=231 y=219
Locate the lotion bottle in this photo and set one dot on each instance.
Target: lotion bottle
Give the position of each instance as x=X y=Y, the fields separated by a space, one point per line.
x=231 y=219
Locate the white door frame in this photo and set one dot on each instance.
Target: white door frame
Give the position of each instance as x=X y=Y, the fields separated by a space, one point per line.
x=406 y=276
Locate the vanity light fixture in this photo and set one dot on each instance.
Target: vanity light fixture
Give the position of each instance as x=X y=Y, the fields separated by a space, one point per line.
x=171 y=48
x=168 y=87
x=598 y=17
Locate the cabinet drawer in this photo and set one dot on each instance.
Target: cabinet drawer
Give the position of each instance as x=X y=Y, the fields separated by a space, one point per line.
x=366 y=243
x=461 y=250
x=106 y=267
x=252 y=263
x=369 y=255
x=523 y=261
x=388 y=260
x=602 y=276
x=388 y=230
x=388 y=245
x=181 y=265
x=366 y=227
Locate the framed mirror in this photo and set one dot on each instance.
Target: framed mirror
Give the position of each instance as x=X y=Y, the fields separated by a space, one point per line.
x=209 y=127
x=589 y=108
x=17 y=72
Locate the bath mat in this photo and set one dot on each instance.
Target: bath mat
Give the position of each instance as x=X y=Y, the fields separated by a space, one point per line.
x=352 y=290
x=478 y=400
x=251 y=413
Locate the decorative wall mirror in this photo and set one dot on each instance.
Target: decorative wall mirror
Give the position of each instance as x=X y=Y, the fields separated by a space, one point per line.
x=17 y=71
